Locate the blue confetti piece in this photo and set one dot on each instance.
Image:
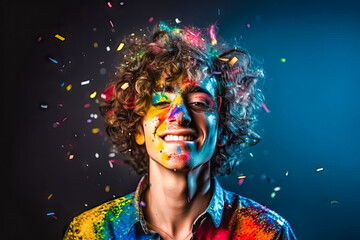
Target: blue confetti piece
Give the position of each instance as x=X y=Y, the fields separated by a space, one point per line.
x=53 y=60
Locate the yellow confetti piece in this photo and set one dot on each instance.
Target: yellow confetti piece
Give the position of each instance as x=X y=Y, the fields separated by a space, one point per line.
x=60 y=37
x=50 y=195
x=96 y=45
x=120 y=46
x=107 y=188
x=125 y=86
x=68 y=87
x=95 y=130
x=242 y=177
x=233 y=61
x=93 y=95
x=71 y=156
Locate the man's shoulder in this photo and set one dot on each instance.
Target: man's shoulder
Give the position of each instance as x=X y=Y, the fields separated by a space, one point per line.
x=91 y=222
x=252 y=213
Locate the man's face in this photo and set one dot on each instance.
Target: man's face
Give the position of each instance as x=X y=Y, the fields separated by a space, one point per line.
x=181 y=124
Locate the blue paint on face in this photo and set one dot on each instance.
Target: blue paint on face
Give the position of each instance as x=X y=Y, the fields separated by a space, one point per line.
x=178 y=149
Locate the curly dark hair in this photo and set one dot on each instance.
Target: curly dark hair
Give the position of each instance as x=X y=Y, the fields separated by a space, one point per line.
x=172 y=51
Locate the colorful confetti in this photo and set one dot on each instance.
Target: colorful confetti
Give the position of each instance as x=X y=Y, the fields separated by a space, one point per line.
x=334 y=202
x=265 y=107
x=95 y=130
x=125 y=86
x=151 y=19
x=50 y=195
x=273 y=194
x=109 y=4
x=85 y=82
x=107 y=188
x=121 y=45
x=111 y=23
x=319 y=169
x=233 y=61
x=93 y=95
x=283 y=60
x=61 y=38
x=53 y=60
x=177 y=20
x=68 y=87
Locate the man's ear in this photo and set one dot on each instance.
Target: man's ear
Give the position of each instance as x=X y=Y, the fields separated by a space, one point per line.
x=139 y=136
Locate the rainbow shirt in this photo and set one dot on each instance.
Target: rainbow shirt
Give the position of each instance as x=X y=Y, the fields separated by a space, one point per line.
x=228 y=216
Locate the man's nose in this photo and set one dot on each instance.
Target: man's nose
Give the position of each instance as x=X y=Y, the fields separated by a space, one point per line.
x=180 y=114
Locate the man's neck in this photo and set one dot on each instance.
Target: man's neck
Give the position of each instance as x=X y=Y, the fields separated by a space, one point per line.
x=176 y=198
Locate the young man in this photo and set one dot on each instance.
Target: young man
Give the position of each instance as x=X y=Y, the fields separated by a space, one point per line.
x=180 y=109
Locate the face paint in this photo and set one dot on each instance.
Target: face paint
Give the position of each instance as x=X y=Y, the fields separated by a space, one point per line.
x=181 y=125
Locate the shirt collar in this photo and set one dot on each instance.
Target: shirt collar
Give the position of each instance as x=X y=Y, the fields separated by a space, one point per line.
x=215 y=208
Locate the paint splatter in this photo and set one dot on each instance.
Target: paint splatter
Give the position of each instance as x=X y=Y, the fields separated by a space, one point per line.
x=178 y=149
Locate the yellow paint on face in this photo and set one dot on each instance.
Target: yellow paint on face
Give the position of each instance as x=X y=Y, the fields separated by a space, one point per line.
x=178 y=100
x=159 y=146
x=164 y=158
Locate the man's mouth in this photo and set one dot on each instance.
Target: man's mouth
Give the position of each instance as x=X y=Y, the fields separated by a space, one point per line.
x=170 y=138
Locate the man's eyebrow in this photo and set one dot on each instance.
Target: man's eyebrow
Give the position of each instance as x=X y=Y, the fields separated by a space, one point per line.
x=192 y=89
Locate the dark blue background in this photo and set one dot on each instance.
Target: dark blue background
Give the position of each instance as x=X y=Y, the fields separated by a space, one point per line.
x=313 y=98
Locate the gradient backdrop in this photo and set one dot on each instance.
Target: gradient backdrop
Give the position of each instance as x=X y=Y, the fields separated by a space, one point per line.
x=309 y=147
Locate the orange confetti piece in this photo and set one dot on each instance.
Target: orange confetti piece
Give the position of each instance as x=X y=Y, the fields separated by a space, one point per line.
x=233 y=61
x=95 y=130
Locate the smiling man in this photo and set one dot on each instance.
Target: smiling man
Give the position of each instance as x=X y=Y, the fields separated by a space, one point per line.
x=180 y=109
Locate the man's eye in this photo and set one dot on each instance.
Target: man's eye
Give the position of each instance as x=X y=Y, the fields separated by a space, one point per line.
x=162 y=104
x=199 y=105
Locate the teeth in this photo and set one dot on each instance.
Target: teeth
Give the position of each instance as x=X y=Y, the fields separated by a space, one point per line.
x=178 y=138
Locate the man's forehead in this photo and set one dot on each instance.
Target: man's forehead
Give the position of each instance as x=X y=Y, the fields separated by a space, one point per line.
x=186 y=85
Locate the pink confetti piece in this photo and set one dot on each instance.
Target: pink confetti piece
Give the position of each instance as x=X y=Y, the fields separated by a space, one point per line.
x=265 y=107
x=111 y=23
x=87 y=105
x=109 y=4
x=248 y=25
x=241 y=181
x=151 y=19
